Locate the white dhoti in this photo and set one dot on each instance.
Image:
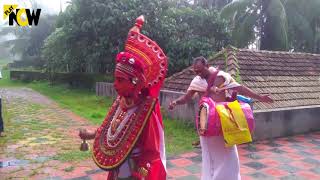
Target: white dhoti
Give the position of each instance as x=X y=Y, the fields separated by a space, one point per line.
x=219 y=162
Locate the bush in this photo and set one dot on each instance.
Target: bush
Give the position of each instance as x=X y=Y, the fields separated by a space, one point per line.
x=28 y=63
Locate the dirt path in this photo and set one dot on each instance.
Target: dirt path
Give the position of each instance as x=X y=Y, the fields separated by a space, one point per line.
x=42 y=139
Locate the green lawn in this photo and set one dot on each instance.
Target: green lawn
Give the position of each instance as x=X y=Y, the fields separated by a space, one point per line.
x=178 y=136
x=85 y=103
x=82 y=102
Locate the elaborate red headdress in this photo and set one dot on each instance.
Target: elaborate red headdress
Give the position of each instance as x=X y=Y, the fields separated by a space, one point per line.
x=143 y=58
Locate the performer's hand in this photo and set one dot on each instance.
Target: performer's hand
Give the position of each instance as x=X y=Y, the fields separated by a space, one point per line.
x=202 y=131
x=84 y=134
x=172 y=105
x=223 y=89
x=214 y=90
x=266 y=98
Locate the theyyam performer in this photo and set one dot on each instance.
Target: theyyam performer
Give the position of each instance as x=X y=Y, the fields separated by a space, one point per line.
x=130 y=142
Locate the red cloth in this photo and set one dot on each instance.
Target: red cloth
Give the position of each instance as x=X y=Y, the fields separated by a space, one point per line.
x=149 y=144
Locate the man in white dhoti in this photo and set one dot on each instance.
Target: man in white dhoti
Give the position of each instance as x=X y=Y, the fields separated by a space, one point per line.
x=218 y=162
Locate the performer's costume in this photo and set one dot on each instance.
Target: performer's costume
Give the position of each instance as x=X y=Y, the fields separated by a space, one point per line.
x=130 y=142
x=218 y=162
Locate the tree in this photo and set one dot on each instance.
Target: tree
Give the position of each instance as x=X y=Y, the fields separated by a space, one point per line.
x=29 y=39
x=38 y=34
x=92 y=32
x=304 y=25
x=191 y=32
x=56 y=51
x=265 y=20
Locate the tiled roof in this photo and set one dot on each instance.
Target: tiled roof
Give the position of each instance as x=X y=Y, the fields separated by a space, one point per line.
x=292 y=79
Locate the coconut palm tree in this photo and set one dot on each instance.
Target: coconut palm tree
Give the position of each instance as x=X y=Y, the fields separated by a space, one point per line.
x=265 y=20
x=304 y=25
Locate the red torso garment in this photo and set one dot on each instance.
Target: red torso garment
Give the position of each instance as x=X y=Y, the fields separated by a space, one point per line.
x=145 y=159
x=151 y=145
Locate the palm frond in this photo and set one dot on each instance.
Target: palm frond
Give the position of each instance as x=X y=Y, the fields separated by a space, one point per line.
x=243 y=33
x=300 y=23
x=309 y=9
x=228 y=11
x=278 y=20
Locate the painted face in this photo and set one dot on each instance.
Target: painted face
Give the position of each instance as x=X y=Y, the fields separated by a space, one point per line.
x=125 y=85
x=199 y=69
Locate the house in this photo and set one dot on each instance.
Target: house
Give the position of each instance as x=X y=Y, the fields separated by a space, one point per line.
x=292 y=79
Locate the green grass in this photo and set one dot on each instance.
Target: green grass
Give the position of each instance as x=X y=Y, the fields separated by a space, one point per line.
x=178 y=136
x=72 y=156
x=69 y=169
x=82 y=102
x=6 y=82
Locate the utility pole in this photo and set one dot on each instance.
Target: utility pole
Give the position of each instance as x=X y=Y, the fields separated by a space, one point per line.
x=60 y=7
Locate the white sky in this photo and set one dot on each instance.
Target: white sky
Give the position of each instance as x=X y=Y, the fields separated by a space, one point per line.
x=52 y=6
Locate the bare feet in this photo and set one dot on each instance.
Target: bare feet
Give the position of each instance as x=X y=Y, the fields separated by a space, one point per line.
x=196 y=144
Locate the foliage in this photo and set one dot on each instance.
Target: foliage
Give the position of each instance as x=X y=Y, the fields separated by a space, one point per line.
x=29 y=39
x=262 y=19
x=304 y=25
x=78 y=80
x=191 y=33
x=91 y=32
x=277 y=24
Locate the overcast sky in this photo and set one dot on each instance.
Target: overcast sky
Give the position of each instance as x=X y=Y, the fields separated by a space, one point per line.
x=52 y=6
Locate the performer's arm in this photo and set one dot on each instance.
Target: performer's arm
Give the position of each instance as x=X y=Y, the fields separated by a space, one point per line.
x=183 y=99
x=248 y=92
x=244 y=91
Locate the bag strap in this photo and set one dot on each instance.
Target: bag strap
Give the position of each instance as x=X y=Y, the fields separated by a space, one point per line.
x=232 y=117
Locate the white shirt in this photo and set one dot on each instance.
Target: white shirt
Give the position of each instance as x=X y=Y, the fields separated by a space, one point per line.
x=200 y=84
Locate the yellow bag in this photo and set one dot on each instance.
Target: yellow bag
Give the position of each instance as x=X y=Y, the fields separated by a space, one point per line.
x=234 y=124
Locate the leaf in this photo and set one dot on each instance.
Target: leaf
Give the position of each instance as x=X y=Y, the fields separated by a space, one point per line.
x=278 y=24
